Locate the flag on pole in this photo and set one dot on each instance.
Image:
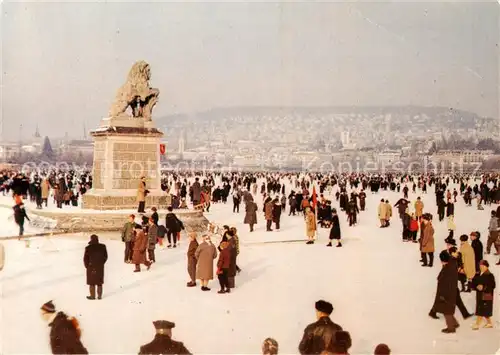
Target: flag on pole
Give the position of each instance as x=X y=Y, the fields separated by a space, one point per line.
x=314 y=198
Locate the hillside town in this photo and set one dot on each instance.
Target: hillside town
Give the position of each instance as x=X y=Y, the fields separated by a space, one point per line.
x=301 y=139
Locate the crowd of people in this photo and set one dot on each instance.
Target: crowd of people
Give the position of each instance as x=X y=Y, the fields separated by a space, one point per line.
x=464 y=265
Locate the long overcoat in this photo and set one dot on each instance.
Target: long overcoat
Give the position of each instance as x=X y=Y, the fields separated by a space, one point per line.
x=335 y=231
x=446 y=293
x=310 y=224
x=427 y=242
x=205 y=256
x=250 y=213
x=45 y=186
x=141 y=192
x=94 y=259
x=152 y=236
x=468 y=259
x=163 y=344
x=140 y=245
x=191 y=255
x=484 y=308
x=232 y=257
x=64 y=337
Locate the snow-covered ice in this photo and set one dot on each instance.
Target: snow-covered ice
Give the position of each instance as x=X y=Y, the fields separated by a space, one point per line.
x=375 y=282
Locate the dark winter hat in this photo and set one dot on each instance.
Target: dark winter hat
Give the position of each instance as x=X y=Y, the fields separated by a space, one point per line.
x=464 y=238
x=163 y=325
x=382 y=349
x=444 y=256
x=450 y=241
x=324 y=307
x=485 y=263
x=270 y=346
x=342 y=341
x=48 y=307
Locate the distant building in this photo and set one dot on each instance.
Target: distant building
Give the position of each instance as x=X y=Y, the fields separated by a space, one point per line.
x=77 y=146
x=388 y=157
x=9 y=151
x=461 y=156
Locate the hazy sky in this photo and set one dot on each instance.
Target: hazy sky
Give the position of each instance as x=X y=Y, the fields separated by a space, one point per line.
x=63 y=62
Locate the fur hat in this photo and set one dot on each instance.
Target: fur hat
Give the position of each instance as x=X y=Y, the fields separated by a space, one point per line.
x=382 y=349
x=270 y=346
x=444 y=256
x=450 y=241
x=48 y=307
x=324 y=307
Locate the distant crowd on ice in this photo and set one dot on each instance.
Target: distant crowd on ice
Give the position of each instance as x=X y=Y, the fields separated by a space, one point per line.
x=465 y=265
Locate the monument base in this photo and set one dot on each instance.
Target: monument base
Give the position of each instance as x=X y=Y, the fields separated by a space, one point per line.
x=93 y=221
x=104 y=200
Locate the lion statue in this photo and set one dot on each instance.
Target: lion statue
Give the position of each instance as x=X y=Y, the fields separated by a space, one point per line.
x=136 y=93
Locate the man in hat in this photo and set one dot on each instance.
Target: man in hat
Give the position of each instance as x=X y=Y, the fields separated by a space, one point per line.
x=94 y=258
x=64 y=331
x=446 y=296
x=318 y=336
x=163 y=343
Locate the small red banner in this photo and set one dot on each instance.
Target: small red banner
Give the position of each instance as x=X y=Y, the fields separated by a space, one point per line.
x=162 y=149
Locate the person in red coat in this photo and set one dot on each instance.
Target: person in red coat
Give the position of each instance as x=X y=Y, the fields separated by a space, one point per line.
x=223 y=268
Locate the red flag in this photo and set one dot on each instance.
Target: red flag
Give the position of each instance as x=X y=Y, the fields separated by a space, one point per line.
x=162 y=149
x=314 y=198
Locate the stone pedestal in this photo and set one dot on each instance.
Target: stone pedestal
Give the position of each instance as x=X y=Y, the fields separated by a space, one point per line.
x=125 y=149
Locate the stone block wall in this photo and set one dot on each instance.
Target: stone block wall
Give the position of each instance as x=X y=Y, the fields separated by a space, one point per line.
x=98 y=172
x=102 y=203
x=94 y=222
x=133 y=160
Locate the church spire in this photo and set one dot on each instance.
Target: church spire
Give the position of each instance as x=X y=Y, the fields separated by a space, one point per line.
x=37 y=132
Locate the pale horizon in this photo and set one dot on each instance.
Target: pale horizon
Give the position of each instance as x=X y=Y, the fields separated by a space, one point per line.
x=63 y=62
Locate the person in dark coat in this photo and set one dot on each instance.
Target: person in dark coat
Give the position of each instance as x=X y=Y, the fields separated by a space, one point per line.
x=191 y=259
x=173 y=226
x=94 y=259
x=319 y=336
x=163 y=343
x=341 y=343
x=352 y=212
x=477 y=246
x=64 y=331
x=154 y=215
x=456 y=259
x=232 y=258
x=484 y=283
x=446 y=296
x=276 y=213
x=335 y=230
x=152 y=239
x=19 y=216
x=223 y=265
